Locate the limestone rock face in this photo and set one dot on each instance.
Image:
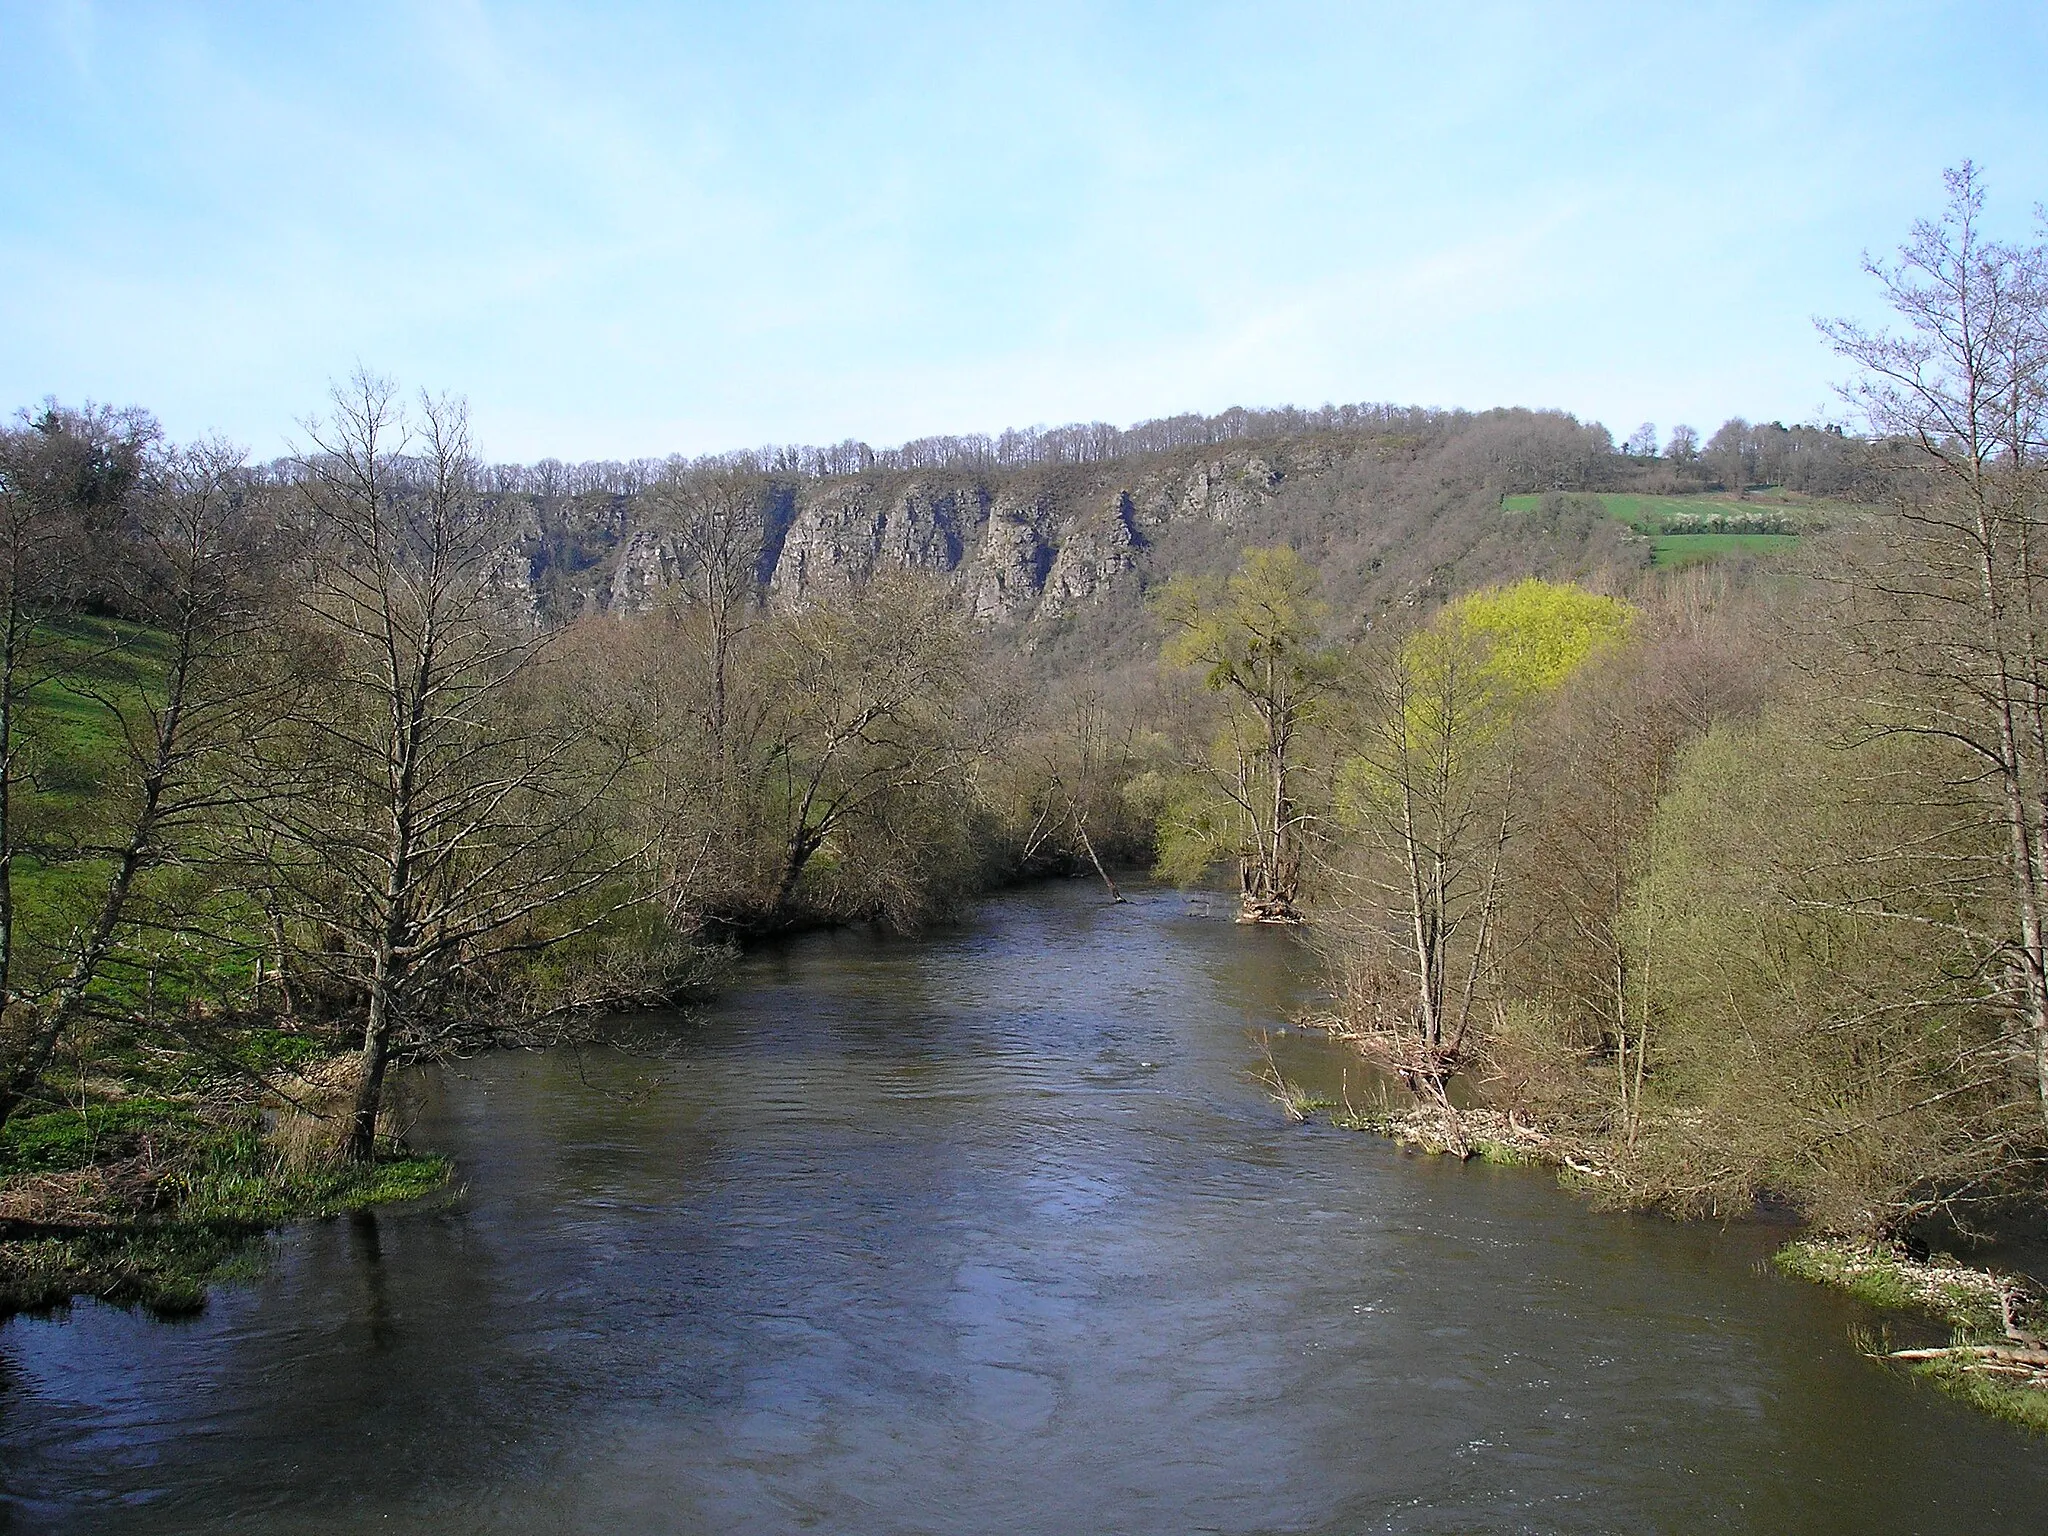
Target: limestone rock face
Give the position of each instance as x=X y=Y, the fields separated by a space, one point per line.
x=648 y=564
x=1228 y=489
x=847 y=531
x=1227 y=492
x=510 y=578
x=833 y=539
x=1395 y=502
x=1041 y=542
x=1011 y=565
x=926 y=526
x=510 y=583
x=1099 y=547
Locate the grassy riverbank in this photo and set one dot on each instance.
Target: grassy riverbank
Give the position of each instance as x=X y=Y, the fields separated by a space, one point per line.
x=147 y=1198
x=1993 y=1361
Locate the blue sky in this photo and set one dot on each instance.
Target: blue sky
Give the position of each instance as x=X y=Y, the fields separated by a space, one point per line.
x=637 y=229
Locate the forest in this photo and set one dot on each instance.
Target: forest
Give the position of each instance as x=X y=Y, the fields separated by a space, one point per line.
x=1673 y=813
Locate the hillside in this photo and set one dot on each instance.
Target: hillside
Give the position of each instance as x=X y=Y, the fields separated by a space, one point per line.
x=1397 y=511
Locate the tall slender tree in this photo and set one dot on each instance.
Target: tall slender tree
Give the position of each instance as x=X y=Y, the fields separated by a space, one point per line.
x=1255 y=640
x=1431 y=795
x=188 y=556
x=1953 y=615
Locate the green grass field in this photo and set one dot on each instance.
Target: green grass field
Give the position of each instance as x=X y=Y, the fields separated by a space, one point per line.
x=1684 y=530
x=67 y=727
x=1672 y=549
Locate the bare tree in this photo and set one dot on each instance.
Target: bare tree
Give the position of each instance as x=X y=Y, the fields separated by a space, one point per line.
x=1731 y=456
x=40 y=538
x=716 y=521
x=1429 y=791
x=64 y=478
x=687 y=678
x=874 y=709
x=1070 y=771
x=1433 y=796
x=193 y=560
x=438 y=820
x=1952 y=616
x=855 y=730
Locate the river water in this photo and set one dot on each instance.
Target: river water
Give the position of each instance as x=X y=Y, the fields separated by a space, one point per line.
x=987 y=1232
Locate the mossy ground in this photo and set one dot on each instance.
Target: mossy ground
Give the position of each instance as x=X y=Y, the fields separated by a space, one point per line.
x=144 y=1199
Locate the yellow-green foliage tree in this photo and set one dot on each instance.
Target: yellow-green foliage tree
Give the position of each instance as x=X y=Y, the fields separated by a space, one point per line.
x=1429 y=793
x=1255 y=640
x=1593 y=770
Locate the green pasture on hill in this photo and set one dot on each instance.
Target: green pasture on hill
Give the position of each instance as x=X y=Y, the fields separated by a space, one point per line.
x=1686 y=529
x=94 y=660
x=85 y=674
x=1669 y=549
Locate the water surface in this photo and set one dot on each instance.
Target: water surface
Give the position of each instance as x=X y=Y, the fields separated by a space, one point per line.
x=988 y=1232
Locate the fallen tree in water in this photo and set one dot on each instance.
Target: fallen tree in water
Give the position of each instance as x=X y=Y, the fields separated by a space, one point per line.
x=1993 y=1360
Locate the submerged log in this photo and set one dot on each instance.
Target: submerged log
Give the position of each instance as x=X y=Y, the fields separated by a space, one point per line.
x=1116 y=897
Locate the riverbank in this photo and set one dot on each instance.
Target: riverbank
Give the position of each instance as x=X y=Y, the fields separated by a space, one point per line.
x=1994 y=1361
x=146 y=1198
x=1487 y=1134
x=179 y=1150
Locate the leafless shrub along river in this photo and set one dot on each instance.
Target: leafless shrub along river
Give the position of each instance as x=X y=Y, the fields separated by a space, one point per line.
x=985 y=1232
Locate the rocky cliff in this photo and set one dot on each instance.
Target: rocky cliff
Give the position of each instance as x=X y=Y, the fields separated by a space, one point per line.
x=1039 y=543
x=1024 y=545
x=1387 y=515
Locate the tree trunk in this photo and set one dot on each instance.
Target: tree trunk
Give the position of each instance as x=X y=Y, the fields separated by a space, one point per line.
x=21 y=1063
x=281 y=966
x=50 y=1022
x=801 y=848
x=376 y=1056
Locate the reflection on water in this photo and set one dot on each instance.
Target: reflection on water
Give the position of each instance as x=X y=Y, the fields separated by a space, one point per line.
x=987 y=1232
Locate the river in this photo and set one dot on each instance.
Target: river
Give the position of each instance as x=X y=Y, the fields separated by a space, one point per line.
x=989 y=1231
